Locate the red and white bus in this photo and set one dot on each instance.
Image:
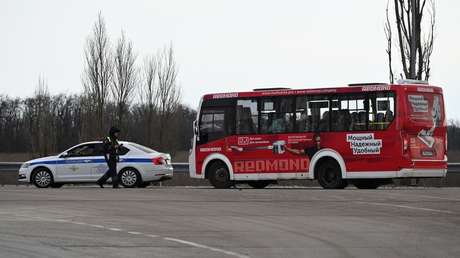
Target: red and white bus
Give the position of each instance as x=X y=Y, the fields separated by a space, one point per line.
x=364 y=134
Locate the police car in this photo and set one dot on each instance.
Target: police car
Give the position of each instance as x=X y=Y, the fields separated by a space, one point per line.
x=85 y=163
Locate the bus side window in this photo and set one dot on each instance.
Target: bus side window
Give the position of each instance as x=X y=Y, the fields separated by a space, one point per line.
x=276 y=115
x=302 y=120
x=246 y=116
x=356 y=109
x=318 y=110
x=381 y=111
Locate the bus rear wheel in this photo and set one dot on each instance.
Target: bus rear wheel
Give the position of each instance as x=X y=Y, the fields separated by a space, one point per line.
x=259 y=184
x=219 y=176
x=330 y=176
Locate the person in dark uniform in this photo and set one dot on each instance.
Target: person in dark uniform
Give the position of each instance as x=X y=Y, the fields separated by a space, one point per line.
x=111 y=149
x=309 y=151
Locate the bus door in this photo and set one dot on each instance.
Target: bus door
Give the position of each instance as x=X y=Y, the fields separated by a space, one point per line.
x=215 y=123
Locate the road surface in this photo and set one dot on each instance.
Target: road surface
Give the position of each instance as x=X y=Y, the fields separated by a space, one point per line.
x=87 y=221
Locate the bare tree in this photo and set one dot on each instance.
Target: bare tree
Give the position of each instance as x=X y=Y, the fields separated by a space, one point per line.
x=98 y=71
x=168 y=92
x=389 y=36
x=415 y=43
x=125 y=76
x=148 y=92
x=38 y=108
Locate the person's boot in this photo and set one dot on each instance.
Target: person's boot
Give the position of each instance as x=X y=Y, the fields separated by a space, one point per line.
x=115 y=186
x=101 y=185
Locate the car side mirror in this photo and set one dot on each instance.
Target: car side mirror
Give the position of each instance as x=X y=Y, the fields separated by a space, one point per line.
x=64 y=155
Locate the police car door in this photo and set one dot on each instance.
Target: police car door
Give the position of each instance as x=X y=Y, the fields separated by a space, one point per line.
x=99 y=165
x=76 y=165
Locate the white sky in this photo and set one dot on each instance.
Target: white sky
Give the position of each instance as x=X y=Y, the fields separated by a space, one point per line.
x=220 y=46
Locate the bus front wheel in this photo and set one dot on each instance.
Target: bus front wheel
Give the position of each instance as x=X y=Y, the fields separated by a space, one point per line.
x=330 y=176
x=219 y=176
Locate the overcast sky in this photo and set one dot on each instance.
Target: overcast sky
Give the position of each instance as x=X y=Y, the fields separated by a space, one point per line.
x=220 y=45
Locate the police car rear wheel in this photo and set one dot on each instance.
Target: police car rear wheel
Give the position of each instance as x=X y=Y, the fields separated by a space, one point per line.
x=219 y=176
x=42 y=178
x=130 y=177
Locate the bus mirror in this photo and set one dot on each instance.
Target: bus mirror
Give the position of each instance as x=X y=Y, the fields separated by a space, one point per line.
x=195 y=128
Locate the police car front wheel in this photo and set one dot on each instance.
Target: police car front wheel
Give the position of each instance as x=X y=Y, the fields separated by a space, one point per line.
x=42 y=178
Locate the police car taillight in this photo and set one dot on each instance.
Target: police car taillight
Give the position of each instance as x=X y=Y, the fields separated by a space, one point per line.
x=159 y=161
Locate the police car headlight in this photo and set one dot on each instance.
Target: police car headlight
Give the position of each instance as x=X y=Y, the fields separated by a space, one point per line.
x=25 y=165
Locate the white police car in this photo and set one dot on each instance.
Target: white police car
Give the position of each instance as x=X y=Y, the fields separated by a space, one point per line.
x=84 y=163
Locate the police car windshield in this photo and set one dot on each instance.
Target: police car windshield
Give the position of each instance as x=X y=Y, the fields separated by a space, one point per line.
x=142 y=148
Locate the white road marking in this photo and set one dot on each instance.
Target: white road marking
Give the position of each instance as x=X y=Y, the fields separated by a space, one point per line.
x=189 y=243
x=408 y=207
x=436 y=197
x=115 y=229
x=427 y=196
x=205 y=247
x=95 y=226
x=78 y=223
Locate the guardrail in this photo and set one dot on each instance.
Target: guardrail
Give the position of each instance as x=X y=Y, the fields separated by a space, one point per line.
x=14 y=166
x=183 y=167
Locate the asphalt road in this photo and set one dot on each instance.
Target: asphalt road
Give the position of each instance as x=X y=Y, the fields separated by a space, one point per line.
x=203 y=222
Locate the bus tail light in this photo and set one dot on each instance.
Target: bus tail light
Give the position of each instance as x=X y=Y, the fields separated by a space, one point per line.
x=159 y=161
x=445 y=144
x=405 y=144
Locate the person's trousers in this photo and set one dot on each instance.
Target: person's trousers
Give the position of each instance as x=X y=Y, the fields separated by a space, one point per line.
x=112 y=172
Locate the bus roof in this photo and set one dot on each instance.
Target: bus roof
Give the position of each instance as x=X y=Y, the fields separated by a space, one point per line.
x=327 y=90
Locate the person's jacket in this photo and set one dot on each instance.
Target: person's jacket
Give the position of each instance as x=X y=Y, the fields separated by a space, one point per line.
x=111 y=149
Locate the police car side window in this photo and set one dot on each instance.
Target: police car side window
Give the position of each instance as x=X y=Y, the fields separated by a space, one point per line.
x=123 y=150
x=83 y=151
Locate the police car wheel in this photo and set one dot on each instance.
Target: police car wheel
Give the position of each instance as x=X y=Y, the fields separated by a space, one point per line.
x=42 y=178
x=259 y=184
x=219 y=176
x=129 y=178
x=330 y=176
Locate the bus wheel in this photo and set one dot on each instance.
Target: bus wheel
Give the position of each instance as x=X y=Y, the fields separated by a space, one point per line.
x=219 y=176
x=330 y=176
x=259 y=184
x=366 y=183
